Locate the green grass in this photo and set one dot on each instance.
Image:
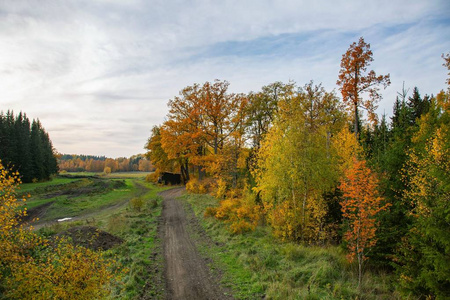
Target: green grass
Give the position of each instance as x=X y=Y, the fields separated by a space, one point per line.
x=141 y=251
x=127 y=175
x=257 y=265
x=30 y=187
x=79 y=197
x=136 y=174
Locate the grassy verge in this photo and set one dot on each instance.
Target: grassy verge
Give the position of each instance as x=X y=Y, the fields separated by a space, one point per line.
x=255 y=265
x=141 y=252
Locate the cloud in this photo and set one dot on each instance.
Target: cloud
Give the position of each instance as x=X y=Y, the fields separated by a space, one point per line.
x=99 y=73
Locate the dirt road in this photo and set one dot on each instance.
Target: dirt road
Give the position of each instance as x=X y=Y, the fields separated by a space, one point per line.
x=188 y=276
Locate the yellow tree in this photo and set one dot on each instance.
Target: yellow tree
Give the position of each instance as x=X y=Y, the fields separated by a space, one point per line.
x=296 y=165
x=355 y=81
x=159 y=158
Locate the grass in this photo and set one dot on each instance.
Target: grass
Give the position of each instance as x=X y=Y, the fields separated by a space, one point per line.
x=30 y=187
x=105 y=203
x=255 y=265
x=135 y=174
x=79 y=197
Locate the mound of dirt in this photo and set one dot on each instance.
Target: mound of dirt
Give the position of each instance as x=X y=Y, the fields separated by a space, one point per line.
x=91 y=237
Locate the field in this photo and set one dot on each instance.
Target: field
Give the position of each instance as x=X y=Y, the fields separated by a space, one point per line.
x=123 y=204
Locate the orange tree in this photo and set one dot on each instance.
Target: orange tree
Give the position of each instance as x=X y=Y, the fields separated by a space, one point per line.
x=354 y=81
x=360 y=205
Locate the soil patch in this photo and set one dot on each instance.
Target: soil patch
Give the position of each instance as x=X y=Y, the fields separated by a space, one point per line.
x=187 y=273
x=35 y=212
x=91 y=237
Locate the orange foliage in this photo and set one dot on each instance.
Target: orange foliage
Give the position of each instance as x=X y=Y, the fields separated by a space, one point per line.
x=360 y=204
x=354 y=80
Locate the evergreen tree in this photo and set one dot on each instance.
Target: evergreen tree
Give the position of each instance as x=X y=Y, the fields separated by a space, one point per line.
x=22 y=151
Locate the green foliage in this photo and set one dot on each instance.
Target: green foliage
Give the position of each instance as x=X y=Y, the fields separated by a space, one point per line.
x=26 y=147
x=424 y=256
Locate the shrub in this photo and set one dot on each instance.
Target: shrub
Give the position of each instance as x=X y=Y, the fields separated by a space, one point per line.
x=107 y=170
x=194 y=186
x=137 y=204
x=241 y=215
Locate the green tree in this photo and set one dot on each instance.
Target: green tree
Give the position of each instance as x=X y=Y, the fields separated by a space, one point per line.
x=424 y=258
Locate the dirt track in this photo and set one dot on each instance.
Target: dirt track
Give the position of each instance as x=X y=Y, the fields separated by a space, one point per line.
x=187 y=275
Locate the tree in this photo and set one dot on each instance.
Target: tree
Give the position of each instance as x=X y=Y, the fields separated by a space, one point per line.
x=156 y=153
x=446 y=64
x=263 y=106
x=296 y=166
x=200 y=123
x=354 y=81
x=360 y=204
x=424 y=256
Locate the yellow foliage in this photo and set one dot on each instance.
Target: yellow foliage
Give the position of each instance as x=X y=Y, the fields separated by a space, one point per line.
x=65 y=272
x=221 y=189
x=31 y=269
x=194 y=186
x=347 y=148
x=242 y=214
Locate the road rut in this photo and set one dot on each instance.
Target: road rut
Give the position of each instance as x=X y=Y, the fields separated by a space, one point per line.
x=187 y=275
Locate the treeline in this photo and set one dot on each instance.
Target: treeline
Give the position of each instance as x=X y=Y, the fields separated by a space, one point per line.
x=89 y=163
x=26 y=147
x=310 y=166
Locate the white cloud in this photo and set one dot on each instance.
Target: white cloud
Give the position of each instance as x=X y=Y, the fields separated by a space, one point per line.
x=99 y=73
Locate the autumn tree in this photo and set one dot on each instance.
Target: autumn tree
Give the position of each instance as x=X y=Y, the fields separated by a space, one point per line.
x=201 y=122
x=262 y=109
x=360 y=205
x=355 y=81
x=296 y=165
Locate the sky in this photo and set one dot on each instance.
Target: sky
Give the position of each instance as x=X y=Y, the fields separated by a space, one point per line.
x=99 y=73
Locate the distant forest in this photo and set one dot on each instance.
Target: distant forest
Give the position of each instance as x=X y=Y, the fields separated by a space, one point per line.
x=89 y=163
x=26 y=147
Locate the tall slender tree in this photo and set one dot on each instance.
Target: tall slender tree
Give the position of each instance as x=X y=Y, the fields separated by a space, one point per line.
x=355 y=81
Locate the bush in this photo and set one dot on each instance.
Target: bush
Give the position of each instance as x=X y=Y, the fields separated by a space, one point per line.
x=242 y=215
x=152 y=177
x=107 y=170
x=194 y=186
x=137 y=204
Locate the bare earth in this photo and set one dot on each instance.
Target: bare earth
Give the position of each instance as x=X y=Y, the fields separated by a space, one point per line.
x=187 y=275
